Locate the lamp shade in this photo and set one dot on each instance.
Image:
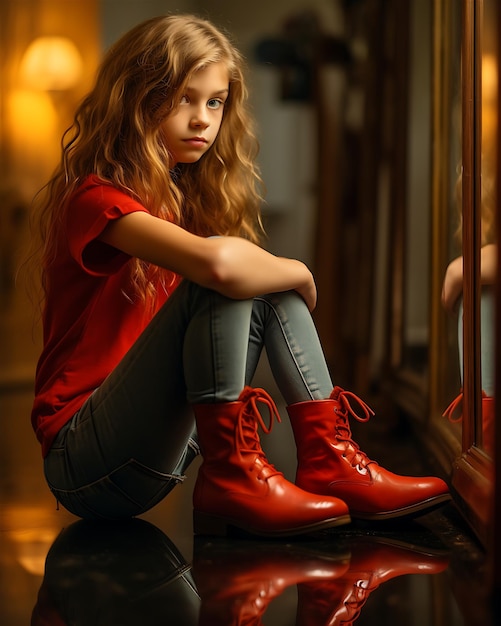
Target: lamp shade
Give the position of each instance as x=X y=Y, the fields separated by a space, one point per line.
x=51 y=64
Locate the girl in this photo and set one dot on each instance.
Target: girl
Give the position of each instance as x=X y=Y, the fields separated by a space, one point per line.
x=159 y=301
x=452 y=299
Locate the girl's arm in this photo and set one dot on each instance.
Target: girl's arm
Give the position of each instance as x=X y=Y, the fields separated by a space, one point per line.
x=231 y=266
x=453 y=281
x=453 y=284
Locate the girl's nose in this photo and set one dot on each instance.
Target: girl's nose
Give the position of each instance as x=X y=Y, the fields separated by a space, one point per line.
x=200 y=119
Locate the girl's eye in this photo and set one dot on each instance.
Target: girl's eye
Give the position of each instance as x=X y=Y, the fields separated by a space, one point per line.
x=215 y=103
x=184 y=100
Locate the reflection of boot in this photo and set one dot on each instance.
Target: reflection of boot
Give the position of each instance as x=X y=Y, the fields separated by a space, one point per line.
x=238 y=580
x=116 y=574
x=373 y=562
x=455 y=415
x=237 y=486
x=488 y=424
x=331 y=463
x=452 y=412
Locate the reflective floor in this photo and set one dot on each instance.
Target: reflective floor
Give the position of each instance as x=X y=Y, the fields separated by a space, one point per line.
x=56 y=570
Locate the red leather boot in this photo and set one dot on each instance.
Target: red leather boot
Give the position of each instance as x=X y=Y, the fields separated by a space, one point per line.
x=331 y=463
x=237 y=486
x=488 y=424
x=455 y=416
x=373 y=562
x=237 y=582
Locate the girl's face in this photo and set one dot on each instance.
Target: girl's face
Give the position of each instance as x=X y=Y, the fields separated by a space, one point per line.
x=192 y=128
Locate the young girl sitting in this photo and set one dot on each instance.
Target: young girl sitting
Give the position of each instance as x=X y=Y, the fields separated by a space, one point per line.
x=158 y=301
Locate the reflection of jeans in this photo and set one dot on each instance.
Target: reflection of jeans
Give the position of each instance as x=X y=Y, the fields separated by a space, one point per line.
x=133 y=438
x=116 y=574
x=487 y=327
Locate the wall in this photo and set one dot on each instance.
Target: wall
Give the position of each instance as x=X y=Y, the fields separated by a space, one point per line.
x=32 y=120
x=31 y=124
x=419 y=172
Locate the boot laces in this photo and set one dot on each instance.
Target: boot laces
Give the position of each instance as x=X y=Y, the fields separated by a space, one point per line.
x=249 y=418
x=354 y=603
x=343 y=409
x=451 y=409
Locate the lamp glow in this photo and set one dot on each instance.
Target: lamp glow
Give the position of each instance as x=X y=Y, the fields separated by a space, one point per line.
x=51 y=64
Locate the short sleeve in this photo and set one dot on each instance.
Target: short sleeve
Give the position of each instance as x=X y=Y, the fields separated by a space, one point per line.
x=93 y=206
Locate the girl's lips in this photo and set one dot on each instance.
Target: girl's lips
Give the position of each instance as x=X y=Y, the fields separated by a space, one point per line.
x=196 y=141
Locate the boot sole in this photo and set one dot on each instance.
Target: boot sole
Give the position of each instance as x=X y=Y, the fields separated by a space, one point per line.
x=415 y=510
x=207 y=524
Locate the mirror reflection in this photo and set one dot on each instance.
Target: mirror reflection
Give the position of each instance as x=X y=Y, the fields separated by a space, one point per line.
x=452 y=398
x=488 y=209
x=105 y=573
x=453 y=282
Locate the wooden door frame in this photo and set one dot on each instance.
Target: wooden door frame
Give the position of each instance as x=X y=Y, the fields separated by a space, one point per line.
x=472 y=471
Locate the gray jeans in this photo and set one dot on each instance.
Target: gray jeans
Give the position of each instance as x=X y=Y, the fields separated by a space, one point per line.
x=132 y=440
x=487 y=340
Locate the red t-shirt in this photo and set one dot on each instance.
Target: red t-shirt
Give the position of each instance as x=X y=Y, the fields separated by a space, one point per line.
x=92 y=315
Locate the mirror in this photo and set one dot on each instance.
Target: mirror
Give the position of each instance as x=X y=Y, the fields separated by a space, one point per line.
x=472 y=469
x=488 y=249
x=481 y=361
x=451 y=396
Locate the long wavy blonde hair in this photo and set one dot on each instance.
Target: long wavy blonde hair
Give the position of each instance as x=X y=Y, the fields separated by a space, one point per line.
x=116 y=134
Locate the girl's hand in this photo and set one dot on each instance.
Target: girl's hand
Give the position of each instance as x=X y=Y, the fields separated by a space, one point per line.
x=488 y=264
x=453 y=284
x=453 y=281
x=309 y=291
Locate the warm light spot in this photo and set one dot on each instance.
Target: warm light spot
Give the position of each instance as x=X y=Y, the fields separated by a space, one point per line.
x=51 y=64
x=32 y=118
x=31 y=530
x=31 y=547
x=489 y=78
